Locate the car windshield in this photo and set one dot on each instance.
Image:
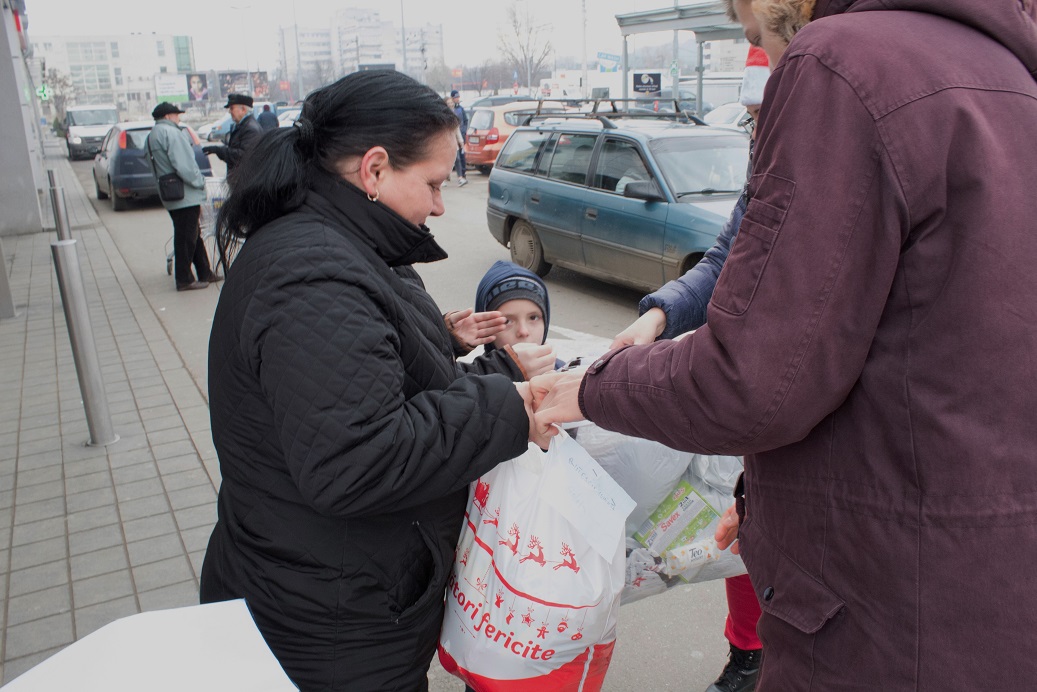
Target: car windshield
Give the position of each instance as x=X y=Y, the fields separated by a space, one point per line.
x=137 y=139
x=481 y=120
x=289 y=116
x=101 y=116
x=702 y=165
x=727 y=114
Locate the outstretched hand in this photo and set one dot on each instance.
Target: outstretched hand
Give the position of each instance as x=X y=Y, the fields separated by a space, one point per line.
x=533 y=359
x=556 y=399
x=535 y=436
x=727 y=530
x=472 y=329
x=644 y=330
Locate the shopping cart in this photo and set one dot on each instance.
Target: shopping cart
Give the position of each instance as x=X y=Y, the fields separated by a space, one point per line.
x=216 y=192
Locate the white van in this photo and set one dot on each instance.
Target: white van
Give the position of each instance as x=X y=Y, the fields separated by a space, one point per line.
x=86 y=126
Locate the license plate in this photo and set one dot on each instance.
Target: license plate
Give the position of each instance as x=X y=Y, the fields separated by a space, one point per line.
x=473 y=139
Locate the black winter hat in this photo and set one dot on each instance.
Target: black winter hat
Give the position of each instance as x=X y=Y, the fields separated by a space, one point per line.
x=239 y=100
x=163 y=109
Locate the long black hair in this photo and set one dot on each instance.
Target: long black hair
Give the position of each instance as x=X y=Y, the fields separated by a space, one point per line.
x=347 y=118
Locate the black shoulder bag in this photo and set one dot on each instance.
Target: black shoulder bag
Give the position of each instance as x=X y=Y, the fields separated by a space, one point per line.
x=170 y=186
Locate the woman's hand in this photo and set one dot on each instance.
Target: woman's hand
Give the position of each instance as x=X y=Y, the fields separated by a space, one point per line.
x=727 y=530
x=472 y=329
x=556 y=398
x=644 y=330
x=532 y=359
x=535 y=436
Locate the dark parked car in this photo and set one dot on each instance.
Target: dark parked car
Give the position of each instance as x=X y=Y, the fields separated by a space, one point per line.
x=122 y=169
x=630 y=201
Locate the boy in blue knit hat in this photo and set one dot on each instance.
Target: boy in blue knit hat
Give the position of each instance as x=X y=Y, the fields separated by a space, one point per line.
x=521 y=297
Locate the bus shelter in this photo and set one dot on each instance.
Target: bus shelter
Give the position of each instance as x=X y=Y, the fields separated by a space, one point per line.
x=708 y=21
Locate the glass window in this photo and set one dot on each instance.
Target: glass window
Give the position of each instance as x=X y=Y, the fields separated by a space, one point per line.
x=161 y=45
x=99 y=116
x=115 y=49
x=162 y=69
x=520 y=153
x=698 y=165
x=136 y=139
x=481 y=120
x=619 y=163
x=571 y=157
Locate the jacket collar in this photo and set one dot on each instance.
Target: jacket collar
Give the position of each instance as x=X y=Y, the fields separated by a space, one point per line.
x=394 y=239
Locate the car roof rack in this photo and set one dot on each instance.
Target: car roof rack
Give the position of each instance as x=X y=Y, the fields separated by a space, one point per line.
x=607 y=111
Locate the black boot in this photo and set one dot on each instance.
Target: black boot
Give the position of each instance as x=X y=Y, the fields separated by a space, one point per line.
x=740 y=673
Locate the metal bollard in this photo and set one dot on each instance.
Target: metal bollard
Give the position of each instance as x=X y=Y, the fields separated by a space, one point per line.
x=57 y=203
x=84 y=350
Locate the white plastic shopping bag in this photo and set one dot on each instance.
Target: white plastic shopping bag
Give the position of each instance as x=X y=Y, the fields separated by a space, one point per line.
x=680 y=498
x=533 y=597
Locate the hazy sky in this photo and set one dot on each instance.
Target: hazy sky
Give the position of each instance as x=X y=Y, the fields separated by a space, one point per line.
x=470 y=28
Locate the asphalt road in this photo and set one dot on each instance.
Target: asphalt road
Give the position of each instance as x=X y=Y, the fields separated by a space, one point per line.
x=673 y=641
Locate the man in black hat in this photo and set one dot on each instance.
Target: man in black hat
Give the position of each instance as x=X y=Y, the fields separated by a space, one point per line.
x=170 y=152
x=243 y=136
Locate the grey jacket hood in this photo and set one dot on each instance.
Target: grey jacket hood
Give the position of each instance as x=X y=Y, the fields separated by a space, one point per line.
x=1012 y=23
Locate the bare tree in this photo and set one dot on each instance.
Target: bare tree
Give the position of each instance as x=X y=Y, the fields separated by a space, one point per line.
x=62 y=90
x=321 y=73
x=524 y=42
x=437 y=76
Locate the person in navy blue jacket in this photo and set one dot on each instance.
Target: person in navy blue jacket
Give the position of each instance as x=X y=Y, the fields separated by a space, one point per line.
x=679 y=307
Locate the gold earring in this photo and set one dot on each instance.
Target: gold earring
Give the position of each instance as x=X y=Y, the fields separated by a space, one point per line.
x=374 y=198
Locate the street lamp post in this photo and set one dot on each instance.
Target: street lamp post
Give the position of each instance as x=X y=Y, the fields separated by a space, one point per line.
x=298 y=56
x=403 y=38
x=244 y=33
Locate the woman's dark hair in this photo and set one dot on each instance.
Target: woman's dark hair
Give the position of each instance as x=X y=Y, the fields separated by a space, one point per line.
x=347 y=118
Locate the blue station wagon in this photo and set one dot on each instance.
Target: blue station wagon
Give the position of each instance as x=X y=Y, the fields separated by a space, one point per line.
x=629 y=201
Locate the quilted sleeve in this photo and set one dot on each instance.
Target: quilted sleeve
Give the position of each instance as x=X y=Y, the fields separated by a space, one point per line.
x=326 y=354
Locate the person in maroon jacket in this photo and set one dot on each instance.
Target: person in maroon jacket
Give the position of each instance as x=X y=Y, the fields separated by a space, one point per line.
x=870 y=349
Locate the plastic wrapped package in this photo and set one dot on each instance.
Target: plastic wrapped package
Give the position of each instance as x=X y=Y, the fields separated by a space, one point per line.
x=680 y=498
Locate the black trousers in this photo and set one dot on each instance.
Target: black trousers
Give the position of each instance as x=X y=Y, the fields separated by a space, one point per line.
x=188 y=248
x=460 y=163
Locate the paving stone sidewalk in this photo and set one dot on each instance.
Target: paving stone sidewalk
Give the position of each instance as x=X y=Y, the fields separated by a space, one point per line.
x=92 y=534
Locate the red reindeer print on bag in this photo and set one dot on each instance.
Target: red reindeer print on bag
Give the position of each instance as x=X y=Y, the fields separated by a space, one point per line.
x=513 y=531
x=538 y=557
x=570 y=559
x=494 y=519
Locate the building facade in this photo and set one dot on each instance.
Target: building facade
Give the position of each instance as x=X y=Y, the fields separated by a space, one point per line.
x=117 y=69
x=354 y=38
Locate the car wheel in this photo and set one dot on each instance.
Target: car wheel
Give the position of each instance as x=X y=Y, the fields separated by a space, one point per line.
x=97 y=190
x=118 y=203
x=526 y=250
x=485 y=170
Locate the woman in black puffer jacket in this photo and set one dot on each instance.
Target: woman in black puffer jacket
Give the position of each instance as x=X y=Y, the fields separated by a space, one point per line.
x=347 y=433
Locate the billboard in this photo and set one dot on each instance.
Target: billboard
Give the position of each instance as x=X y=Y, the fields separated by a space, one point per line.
x=171 y=87
x=197 y=87
x=238 y=83
x=648 y=82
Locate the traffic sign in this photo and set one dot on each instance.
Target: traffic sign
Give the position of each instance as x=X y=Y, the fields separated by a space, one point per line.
x=43 y=91
x=674 y=69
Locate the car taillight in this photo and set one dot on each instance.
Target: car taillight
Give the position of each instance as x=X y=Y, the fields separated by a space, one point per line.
x=492 y=136
x=122 y=139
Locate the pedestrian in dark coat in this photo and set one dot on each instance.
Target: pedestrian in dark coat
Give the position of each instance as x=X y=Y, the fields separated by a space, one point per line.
x=347 y=433
x=243 y=135
x=870 y=346
x=267 y=120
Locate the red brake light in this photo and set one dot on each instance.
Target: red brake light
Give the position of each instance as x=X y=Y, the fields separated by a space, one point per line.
x=122 y=139
x=492 y=136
